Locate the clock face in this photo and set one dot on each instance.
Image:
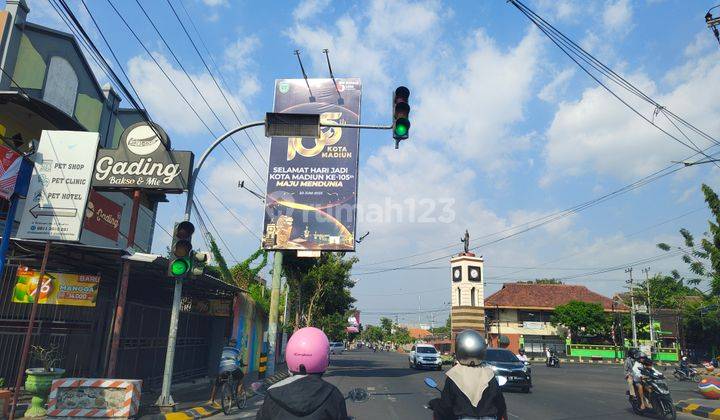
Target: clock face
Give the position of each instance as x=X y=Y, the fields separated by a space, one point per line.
x=475 y=273
x=456 y=274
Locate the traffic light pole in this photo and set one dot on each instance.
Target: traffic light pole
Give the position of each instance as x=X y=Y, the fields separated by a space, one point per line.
x=165 y=399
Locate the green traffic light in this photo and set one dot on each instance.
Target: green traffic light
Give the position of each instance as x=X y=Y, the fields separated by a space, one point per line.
x=401 y=130
x=180 y=267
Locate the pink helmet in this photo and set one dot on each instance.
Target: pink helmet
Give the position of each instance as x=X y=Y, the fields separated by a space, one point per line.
x=308 y=351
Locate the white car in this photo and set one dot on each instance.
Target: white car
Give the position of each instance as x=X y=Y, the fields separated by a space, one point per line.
x=337 y=347
x=425 y=355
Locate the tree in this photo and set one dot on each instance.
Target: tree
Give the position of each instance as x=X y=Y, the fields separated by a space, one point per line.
x=372 y=333
x=582 y=318
x=386 y=325
x=333 y=325
x=401 y=336
x=703 y=259
x=666 y=291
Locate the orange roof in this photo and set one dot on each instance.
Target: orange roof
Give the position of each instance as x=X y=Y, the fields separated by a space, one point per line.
x=525 y=295
x=418 y=332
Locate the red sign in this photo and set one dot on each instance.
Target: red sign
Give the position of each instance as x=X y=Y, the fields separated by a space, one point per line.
x=102 y=216
x=9 y=167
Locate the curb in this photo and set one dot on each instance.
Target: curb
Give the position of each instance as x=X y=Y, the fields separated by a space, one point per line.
x=602 y=362
x=199 y=412
x=698 y=410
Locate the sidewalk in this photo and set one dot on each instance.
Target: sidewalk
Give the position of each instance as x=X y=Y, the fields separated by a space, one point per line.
x=591 y=361
x=701 y=407
x=191 y=399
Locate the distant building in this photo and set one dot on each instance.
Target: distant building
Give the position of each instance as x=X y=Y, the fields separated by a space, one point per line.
x=419 y=333
x=522 y=312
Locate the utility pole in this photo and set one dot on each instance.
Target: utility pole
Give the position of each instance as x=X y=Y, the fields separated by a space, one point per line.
x=274 y=306
x=632 y=306
x=650 y=319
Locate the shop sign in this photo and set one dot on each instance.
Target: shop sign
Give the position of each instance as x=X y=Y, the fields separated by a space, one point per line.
x=9 y=167
x=56 y=288
x=102 y=216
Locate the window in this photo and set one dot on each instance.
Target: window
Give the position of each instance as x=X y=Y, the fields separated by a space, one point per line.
x=472 y=297
x=61 y=85
x=459 y=299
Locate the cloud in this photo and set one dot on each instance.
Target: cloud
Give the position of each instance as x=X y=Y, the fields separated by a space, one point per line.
x=216 y=3
x=166 y=105
x=617 y=16
x=596 y=134
x=238 y=55
x=309 y=8
x=469 y=106
x=559 y=9
x=557 y=85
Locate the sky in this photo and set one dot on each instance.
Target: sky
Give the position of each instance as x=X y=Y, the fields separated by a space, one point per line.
x=505 y=129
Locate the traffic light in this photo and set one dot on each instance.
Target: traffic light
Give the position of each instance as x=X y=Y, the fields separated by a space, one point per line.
x=181 y=249
x=198 y=261
x=401 y=112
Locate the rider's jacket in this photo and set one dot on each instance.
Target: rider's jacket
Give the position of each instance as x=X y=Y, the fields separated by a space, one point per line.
x=303 y=397
x=470 y=392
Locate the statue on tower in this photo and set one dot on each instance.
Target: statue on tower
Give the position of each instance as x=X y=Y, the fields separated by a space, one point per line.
x=466 y=241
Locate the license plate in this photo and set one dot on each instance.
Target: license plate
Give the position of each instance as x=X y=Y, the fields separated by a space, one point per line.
x=514 y=378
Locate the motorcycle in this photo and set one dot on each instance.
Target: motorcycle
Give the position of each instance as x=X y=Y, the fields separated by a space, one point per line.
x=657 y=394
x=688 y=374
x=552 y=361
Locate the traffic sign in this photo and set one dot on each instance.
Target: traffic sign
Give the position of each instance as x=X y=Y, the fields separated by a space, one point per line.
x=60 y=185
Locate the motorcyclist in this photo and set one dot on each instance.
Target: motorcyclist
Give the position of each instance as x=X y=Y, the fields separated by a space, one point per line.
x=522 y=356
x=640 y=369
x=471 y=389
x=685 y=366
x=304 y=395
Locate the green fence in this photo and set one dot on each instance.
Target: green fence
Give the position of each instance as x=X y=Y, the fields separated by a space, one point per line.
x=617 y=352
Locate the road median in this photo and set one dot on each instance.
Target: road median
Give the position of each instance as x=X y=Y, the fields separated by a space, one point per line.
x=709 y=409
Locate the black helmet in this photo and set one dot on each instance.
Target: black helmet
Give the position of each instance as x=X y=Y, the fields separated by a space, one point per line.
x=470 y=347
x=633 y=353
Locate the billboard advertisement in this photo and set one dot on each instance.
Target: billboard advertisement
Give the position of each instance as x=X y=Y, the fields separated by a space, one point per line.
x=9 y=167
x=56 y=288
x=312 y=183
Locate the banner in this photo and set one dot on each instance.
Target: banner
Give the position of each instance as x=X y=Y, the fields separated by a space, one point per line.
x=312 y=183
x=57 y=288
x=102 y=216
x=9 y=166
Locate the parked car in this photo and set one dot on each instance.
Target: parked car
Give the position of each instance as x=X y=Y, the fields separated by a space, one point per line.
x=505 y=363
x=425 y=355
x=337 y=347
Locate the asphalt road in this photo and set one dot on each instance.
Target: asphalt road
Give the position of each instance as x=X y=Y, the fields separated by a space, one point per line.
x=398 y=392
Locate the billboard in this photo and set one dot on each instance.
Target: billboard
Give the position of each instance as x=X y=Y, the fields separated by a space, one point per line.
x=57 y=288
x=102 y=216
x=9 y=167
x=312 y=183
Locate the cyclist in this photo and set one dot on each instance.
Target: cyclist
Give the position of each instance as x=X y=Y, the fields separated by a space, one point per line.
x=304 y=395
x=230 y=364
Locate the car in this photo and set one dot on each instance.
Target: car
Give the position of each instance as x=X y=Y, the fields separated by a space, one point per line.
x=337 y=347
x=505 y=363
x=425 y=355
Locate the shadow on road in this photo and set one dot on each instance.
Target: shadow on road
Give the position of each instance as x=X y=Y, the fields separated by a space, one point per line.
x=368 y=372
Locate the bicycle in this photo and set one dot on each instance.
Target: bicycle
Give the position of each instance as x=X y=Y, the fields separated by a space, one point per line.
x=232 y=390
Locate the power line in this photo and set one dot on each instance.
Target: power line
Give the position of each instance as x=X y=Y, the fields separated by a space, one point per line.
x=202 y=96
x=184 y=28
x=217 y=232
x=230 y=211
x=172 y=83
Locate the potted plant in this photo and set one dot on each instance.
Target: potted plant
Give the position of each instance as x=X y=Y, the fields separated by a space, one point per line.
x=39 y=379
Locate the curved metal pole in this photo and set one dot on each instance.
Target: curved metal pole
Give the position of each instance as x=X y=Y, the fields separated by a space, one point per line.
x=165 y=399
x=204 y=156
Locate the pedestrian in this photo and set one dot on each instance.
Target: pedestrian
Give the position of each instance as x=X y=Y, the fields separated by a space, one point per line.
x=305 y=395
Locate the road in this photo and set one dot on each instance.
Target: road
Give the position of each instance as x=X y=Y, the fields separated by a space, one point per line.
x=570 y=392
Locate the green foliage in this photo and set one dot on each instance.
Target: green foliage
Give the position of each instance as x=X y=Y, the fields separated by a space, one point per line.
x=401 y=336
x=333 y=325
x=386 y=325
x=582 y=318
x=2 y=382
x=372 y=333
x=243 y=274
x=703 y=259
x=666 y=291
x=701 y=323
x=260 y=294
x=440 y=331
x=319 y=287
x=221 y=267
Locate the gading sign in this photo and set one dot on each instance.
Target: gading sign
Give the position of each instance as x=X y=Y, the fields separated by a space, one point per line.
x=142 y=160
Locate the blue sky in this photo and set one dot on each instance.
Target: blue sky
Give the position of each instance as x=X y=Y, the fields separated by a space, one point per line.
x=505 y=127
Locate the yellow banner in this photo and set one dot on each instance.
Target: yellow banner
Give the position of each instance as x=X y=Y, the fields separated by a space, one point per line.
x=57 y=288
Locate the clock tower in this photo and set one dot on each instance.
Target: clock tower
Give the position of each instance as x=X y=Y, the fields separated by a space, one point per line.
x=466 y=284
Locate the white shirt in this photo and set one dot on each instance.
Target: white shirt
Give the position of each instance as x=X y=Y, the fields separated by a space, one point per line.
x=522 y=357
x=636 y=370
